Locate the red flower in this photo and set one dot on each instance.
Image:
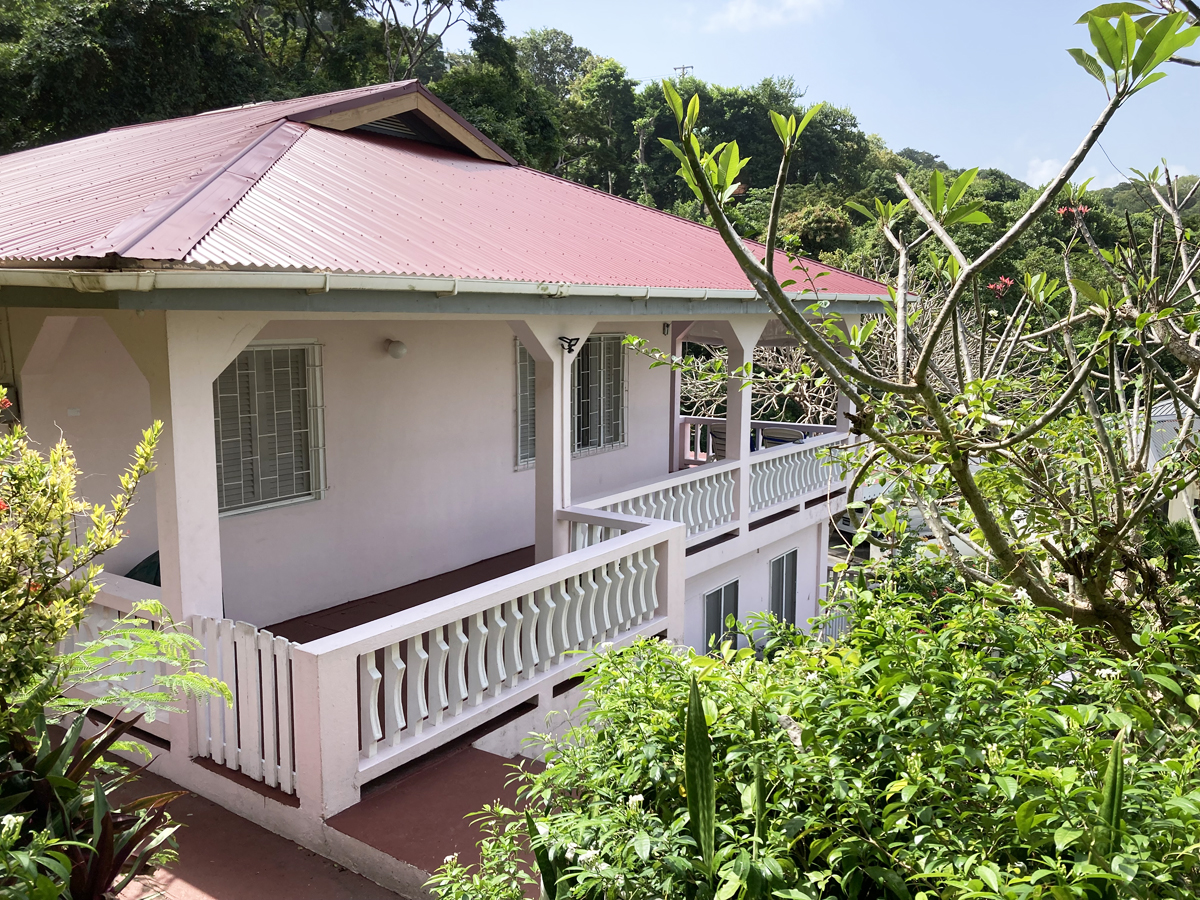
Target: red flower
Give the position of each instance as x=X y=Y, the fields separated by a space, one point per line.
x=1001 y=286
x=3 y=506
x=1082 y=210
x=5 y=403
x=1063 y=210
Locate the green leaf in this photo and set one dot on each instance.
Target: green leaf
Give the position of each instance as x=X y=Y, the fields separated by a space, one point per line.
x=988 y=875
x=1107 y=43
x=1169 y=683
x=1107 y=837
x=698 y=777
x=1008 y=786
x=961 y=183
x=808 y=117
x=859 y=208
x=676 y=103
x=641 y=845
x=908 y=694
x=1025 y=817
x=732 y=885
x=1064 y=837
x=1090 y=64
x=1111 y=11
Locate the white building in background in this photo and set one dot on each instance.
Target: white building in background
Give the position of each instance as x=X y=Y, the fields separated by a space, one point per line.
x=408 y=465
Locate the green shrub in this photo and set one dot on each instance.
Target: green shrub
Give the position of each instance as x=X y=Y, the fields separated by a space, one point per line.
x=952 y=747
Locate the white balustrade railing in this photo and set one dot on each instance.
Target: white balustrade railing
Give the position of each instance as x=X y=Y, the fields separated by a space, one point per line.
x=791 y=471
x=423 y=676
x=254 y=735
x=702 y=438
x=701 y=498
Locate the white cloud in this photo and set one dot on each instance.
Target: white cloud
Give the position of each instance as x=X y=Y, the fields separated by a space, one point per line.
x=1040 y=171
x=753 y=15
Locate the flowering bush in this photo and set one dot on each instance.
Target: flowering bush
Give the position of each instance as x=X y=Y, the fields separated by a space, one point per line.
x=946 y=748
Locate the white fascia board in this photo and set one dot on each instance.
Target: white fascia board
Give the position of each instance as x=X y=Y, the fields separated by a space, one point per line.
x=96 y=281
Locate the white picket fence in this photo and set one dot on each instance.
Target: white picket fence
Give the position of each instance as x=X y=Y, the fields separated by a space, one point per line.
x=254 y=735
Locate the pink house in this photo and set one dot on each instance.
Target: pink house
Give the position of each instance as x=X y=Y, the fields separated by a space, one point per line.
x=409 y=468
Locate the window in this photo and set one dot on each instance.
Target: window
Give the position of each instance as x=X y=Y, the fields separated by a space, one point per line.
x=719 y=605
x=598 y=401
x=526 y=407
x=783 y=587
x=267 y=413
x=597 y=398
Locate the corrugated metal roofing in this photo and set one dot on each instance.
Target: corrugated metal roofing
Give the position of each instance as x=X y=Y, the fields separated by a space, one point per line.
x=236 y=188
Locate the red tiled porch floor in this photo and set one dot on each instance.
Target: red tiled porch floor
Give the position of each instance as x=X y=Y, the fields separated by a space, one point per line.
x=358 y=612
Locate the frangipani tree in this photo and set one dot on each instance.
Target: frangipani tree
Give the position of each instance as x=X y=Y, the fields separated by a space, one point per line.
x=1036 y=450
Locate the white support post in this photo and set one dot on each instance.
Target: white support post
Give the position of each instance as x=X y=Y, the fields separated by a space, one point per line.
x=327 y=730
x=679 y=331
x=741 y=335
x=553 y=343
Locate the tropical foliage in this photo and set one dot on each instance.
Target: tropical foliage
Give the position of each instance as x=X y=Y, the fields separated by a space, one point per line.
x=960 y=745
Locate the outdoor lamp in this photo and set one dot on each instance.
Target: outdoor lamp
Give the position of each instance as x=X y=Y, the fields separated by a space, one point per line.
x=396 y=349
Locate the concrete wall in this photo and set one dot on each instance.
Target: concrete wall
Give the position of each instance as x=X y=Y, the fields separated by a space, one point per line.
x=79 y=383
x=752 y=572
x=420 y=467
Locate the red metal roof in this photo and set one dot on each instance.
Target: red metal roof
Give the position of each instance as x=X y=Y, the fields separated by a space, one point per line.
x=249 y=188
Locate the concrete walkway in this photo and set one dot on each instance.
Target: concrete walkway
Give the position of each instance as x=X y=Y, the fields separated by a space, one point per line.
x=224 y=857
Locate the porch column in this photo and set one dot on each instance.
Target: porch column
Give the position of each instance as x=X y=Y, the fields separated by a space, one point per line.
x=741 y=335
x=679 y=331
x=553 y=343
x=181 y=353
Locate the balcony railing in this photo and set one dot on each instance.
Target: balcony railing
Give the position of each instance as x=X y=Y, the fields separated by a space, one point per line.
x=702 y=438
x=320 y=719
x=702 y=497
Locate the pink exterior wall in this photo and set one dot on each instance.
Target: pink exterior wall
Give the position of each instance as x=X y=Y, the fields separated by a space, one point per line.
x=753 y=572
x=93 y=374
x=420 y=467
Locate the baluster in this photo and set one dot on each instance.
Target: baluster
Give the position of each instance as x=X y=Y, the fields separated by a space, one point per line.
x=728 y=484
x=249 y=709
x=266 y=680
x=529 y=636
x=512 y=640
x=642 y=603
x=283 y=681
x=597 y=535
x=587 y=609
x=418 y=705
x=755 y=486
x=229 y=712
x=457 y=682
x=652 y=580
x=690 y=501
x=370 y=731
x=575 y=629
x=604 y=619
x=670 y=498
x=625 y=593
x=496 y=675
x=546 y=630
x=439 y=652
x=562 y=622
x=477 y=676
x=393 y=679
x=709 y=515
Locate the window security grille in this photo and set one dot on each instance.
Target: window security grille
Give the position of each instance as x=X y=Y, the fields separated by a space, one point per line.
x=597 y=398
x=526 y=408
x=783 y=587
x=719 y=605
x=267 y=412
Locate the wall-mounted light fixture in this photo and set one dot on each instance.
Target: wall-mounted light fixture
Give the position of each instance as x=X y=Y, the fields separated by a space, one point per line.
x=395 y=349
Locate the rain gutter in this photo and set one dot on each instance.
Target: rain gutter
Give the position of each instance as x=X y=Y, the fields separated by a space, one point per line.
x=93 y=281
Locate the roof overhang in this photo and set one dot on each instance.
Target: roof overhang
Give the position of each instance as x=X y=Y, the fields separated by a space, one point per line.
x=164 y=282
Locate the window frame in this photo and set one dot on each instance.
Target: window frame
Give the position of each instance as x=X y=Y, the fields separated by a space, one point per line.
x=721 y=634
x=314 y=373
x=525 y=402
x=779 y=610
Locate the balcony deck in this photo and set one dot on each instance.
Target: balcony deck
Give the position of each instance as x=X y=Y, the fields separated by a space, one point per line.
x=302 y=629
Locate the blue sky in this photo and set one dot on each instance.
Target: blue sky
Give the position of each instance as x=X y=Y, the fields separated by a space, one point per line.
x=979 y=82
